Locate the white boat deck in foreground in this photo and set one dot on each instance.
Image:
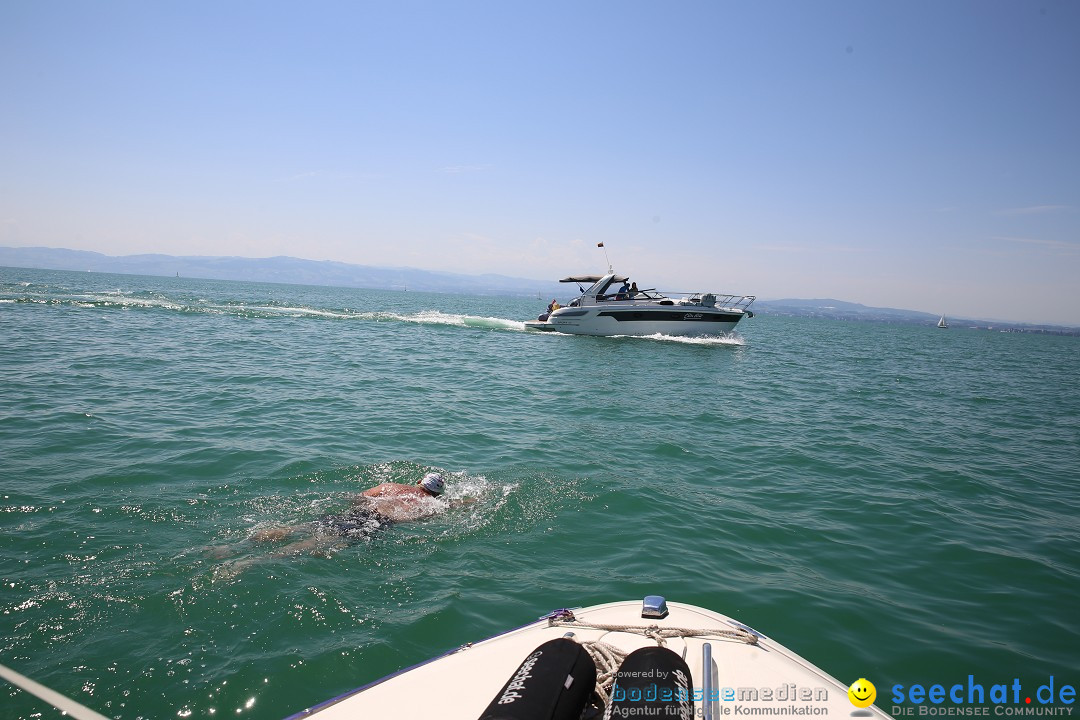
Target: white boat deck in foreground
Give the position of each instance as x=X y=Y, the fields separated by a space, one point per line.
x=743 y=672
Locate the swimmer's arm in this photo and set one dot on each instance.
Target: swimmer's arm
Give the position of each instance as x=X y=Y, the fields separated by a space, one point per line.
x=458 y=502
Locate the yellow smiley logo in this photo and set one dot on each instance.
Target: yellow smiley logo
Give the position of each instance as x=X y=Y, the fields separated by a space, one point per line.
x=862 y=693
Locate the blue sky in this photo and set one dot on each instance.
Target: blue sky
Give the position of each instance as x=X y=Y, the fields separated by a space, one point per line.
x=917 y=154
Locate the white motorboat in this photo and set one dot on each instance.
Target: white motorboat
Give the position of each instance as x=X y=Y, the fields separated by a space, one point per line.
x=620 y=659
x=607 y=309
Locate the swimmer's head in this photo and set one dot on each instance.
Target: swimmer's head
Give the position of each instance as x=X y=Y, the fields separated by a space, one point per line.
x=433 y=483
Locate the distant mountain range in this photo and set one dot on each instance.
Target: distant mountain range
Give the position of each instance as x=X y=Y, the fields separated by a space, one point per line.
x=841 y=310
x=296 y=271
x=293 y=271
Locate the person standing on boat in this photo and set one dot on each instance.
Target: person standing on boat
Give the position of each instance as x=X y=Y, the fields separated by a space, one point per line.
x=633 y=293
x=623 y=291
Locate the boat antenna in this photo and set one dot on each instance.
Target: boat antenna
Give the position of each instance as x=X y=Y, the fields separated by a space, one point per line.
x=601 y=245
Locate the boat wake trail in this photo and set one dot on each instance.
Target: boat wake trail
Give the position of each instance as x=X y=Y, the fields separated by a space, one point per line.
x=729 y=339
x=436 y=317
x=148 y=300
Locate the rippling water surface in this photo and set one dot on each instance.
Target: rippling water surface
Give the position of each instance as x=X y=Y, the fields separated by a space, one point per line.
x=892 y=502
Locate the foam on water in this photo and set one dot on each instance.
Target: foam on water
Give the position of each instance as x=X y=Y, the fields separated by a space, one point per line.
x=731 y=338
x=134 y=299
x=437 y=317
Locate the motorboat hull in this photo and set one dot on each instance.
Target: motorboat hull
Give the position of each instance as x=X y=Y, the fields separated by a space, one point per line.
x=668 y=320
x=734 y=669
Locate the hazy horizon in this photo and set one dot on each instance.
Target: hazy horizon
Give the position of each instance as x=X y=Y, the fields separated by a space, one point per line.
x=545 y=287
x=918 y=155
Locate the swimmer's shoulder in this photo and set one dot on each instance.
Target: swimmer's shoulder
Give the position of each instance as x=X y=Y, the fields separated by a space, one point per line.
x=394 y=489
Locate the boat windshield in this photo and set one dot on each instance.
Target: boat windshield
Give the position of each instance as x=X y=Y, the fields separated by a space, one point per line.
x=598 y=286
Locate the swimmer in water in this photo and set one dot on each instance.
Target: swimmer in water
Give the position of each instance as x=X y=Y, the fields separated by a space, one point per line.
x=372 y=511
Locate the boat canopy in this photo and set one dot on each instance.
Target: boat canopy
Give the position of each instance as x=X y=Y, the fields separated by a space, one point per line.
x=593 y=278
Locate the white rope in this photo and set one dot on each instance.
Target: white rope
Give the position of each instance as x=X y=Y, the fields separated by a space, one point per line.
x=64 y=704
x=607 y=659
x=658 y=633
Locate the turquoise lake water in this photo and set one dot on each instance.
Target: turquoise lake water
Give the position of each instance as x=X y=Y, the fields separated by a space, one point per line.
x=892 y=502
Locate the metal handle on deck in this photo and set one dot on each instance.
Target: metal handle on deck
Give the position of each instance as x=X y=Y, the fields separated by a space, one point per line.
x=706 y=689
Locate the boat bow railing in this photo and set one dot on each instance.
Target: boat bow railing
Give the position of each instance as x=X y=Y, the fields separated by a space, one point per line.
x=730 y=302
x=654 y=297
x=703 y=299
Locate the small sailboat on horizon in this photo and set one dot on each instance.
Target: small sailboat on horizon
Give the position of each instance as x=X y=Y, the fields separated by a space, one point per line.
x=942 y=324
